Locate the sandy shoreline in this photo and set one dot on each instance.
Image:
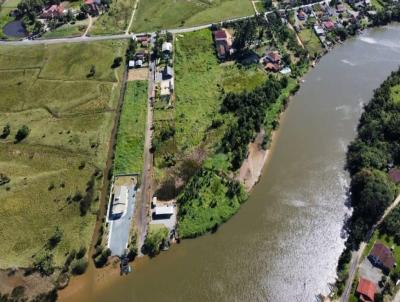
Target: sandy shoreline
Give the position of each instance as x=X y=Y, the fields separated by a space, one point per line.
x=253 y=166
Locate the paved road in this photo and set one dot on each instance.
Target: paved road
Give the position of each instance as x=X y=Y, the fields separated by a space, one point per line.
x=355 y=258
x=118 y=238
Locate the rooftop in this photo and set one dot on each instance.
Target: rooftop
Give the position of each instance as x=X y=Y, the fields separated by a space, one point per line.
x=366 y=289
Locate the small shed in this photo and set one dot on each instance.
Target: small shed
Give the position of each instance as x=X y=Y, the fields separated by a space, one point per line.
x=138 y=63
x=131 y=64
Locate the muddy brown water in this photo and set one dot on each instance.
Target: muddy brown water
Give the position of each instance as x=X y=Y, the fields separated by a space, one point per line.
x=284 y=243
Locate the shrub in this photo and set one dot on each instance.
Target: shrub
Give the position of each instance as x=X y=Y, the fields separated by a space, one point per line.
x=78 y=266
x=81 y=252
x=22 y=133
x=6 y=131
x=43 y=263
x=55 y=238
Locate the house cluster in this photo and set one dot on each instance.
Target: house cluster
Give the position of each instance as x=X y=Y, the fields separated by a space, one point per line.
x=141 y=56
x=272 y=62
x=223 y=43
x=381 y=257
x=166 y=75
x=54 y=11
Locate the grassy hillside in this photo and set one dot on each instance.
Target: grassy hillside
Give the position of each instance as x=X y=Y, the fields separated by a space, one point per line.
x=131 y=130
x=166 y=14
x=70 y=116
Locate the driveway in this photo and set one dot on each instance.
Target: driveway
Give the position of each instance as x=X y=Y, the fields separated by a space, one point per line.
x=118 y=237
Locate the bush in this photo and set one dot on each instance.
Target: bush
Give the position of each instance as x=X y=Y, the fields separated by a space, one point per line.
x=78 y=266
x=81 y=252
x=43 y=263
x=6 y=132
x=22 y=133
x=155 y=239
x=55 y=238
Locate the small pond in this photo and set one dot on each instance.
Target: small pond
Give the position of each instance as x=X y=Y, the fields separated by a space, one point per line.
x=14 y=29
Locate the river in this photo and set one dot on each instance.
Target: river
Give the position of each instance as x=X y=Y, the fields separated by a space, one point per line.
x=284 y=243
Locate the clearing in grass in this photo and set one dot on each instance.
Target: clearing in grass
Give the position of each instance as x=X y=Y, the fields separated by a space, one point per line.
x=55 y=173
x=131 y=130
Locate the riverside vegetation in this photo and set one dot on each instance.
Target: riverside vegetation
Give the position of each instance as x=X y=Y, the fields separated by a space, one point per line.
x=229 y=114
x=369 y=157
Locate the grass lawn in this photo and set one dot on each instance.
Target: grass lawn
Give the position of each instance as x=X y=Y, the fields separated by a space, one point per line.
x=70 y=119
x=131 y=131
x=310 y=41
x=67 y=30
x=115 y=20
x=167 y=14
x=260 y=7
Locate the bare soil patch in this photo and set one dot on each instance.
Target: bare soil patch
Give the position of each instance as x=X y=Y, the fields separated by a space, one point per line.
x=138 y=74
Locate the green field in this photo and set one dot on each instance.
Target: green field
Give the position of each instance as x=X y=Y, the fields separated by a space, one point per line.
x=310 y=41
x=115 y=20
x=70 y=117
x=68 y=30
x=167 y=14
x=131 y=131
x=199 y=79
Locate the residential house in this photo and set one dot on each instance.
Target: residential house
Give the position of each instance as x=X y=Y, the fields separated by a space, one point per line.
x=382 y=257
x=273 y=57
x=120 y=201
x=319 y=31
x=328 y=25
x=54 y=11
x=166 y=89
x=131 y=64
x=366 y=290
x=223 y=43
x=272 y=61
x=340 y=8
x=166 y=48
x=301 y=15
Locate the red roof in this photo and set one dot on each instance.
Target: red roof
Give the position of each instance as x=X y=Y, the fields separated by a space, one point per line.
x=89 y=2
x=366 y=289
x=274 y=56
x=394 y=175
x=272 y=67
x=383 y=254
x=220 y=35
x=329 y=24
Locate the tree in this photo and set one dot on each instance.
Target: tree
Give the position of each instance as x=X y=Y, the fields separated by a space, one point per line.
x=79 y=266
x=244 y=35
x=6 y=131
x=22 y=133
x=267 y=4
x=55 y=238
x=117 y=62
x=92 y=72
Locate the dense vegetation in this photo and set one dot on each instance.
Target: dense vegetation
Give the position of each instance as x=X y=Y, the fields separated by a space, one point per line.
x=156 y=239
x=208 y=200
x=375 y=149
x=249 y=108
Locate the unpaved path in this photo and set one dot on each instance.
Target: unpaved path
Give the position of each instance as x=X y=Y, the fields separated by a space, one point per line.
x=88 y=27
